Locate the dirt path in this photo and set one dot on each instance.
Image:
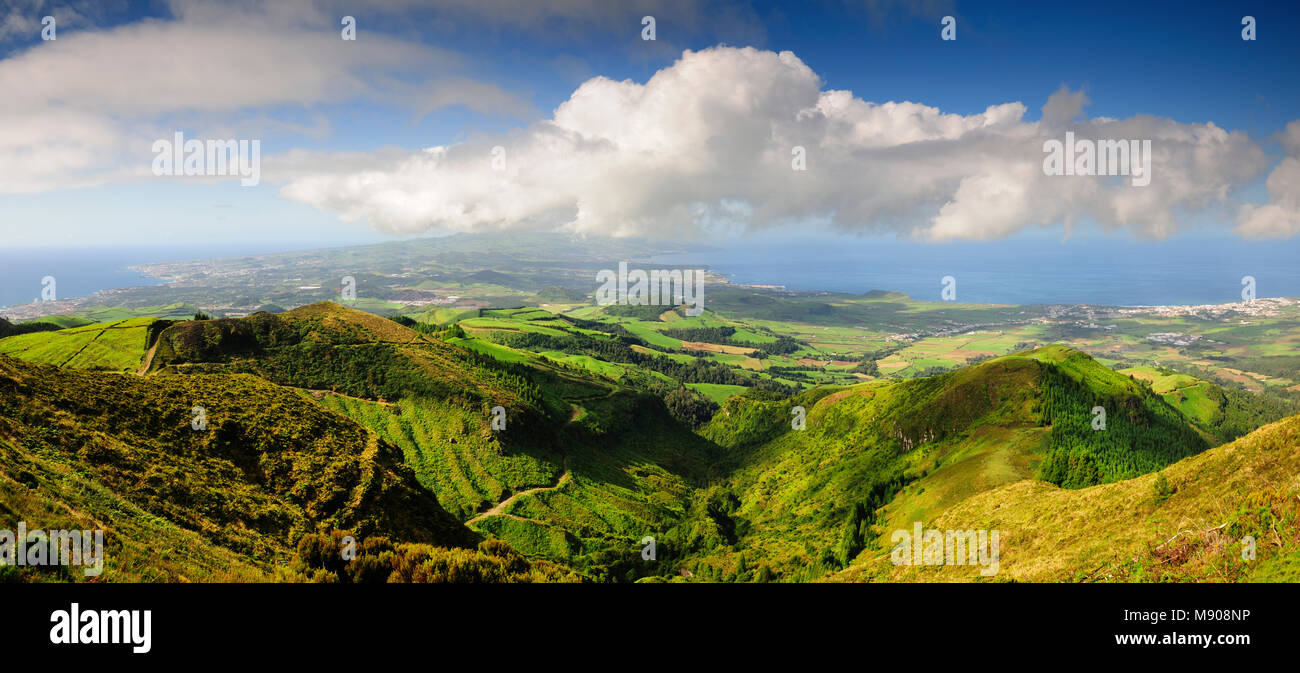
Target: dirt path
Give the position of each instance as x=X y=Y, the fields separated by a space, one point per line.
x=501 y=507
x=320 y=394
x=566 y=477
x=148 y=358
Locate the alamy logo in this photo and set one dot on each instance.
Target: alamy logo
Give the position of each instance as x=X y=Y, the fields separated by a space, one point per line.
x=102 y=627
x=953 y=547
x=659 y=287
x=498 y=418
x=242 y=158
x=1100 y=157
x=53 y=548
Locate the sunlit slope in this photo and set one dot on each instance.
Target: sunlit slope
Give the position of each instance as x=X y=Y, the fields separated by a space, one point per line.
x=113 y=346
x=584 y=468
x=326 y=346
x=1135 y=530
x=1221 y=413
x=268 y=466
x=630 y=472
x=800 y=498
x=583 y=491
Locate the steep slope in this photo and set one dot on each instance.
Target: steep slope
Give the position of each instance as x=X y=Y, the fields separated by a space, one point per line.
x=266 y=467
x=1190 y=522
x=331 y=347
x=630 y=466
x=1141 y=432
x=805 y=501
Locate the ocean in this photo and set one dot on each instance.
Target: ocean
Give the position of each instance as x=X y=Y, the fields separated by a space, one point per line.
x=1033 y=269
x=1020 y=270
x=81 y=272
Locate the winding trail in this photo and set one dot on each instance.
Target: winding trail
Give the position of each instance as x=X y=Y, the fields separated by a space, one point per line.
x=500 y=508
x=565 y=477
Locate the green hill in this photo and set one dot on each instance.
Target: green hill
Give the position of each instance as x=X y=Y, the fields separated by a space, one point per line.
x=806 y=501
x=326 y=421
x=1190 y=522
x=329 y=347
x=583 y=470
x=1221 y=413
x=120 y=451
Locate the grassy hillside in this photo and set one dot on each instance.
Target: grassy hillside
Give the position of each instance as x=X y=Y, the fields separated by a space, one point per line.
x=583 y=491
x=1221 y=413
x=583 y=470
x=806 y=501
x=329 y=347
x=113 y=346
x=326 y=421
x=269 y=467
x=1186 y=523
x=453 y=450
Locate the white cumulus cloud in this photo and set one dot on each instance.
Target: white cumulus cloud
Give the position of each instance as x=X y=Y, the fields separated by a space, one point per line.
x=84 y=109
x=1280 y=217
x=708 y=142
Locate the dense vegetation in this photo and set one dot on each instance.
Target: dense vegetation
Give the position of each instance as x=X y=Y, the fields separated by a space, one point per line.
x=1141 y=433
x=781 y=345
x=327 y=347
x=9 y=329
x=334 y=558
x=326 y=423
x=619 y=349
x=264 y=466
x=1243 y=412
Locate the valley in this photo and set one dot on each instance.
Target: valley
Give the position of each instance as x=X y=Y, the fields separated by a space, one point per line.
x=371 y=419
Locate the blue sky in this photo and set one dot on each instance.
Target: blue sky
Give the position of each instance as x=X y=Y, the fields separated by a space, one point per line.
x=470 y=76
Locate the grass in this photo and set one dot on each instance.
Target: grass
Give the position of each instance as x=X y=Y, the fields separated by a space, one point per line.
x=1122 y=532
x=112 y=346
x=651 y=336
x=226 y=501
x=483 y=325
x=497 y=351
x=176 y=311
x=991 y=457
x=716 y=391
x=453 y=451
x=1193 y=397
